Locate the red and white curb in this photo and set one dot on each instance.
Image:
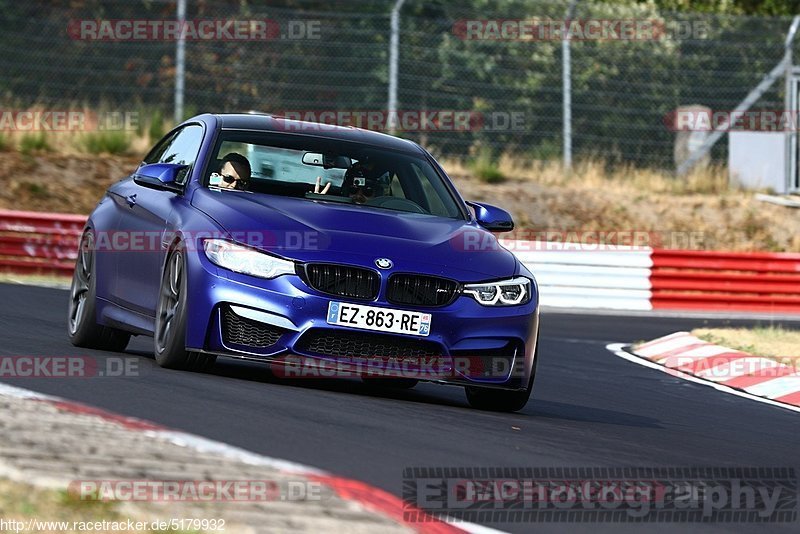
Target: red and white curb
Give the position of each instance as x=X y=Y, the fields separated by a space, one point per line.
x=732 y=371
x=371 y=498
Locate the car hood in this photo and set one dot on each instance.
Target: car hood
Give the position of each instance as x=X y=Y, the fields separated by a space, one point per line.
x=310 y=231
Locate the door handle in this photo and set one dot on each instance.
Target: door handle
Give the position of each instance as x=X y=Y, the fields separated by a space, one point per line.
x=131 y=199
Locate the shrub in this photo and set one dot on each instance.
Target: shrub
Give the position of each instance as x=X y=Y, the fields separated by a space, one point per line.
x=34 y=143
x=486 y=168
x=156 y=129
x=111 y=142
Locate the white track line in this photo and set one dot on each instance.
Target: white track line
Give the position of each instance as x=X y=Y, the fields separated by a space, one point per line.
x=667 y=344
x=617 y=348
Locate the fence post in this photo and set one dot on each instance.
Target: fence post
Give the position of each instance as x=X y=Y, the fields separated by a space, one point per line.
x=566 y=82
x=790 y=100
x=394 y=57
x=180 y=63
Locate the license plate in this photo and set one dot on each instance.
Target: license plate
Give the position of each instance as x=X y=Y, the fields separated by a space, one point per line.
x=380 y=319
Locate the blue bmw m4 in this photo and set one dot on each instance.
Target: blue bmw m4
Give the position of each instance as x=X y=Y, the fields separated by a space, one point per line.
x=311 y=248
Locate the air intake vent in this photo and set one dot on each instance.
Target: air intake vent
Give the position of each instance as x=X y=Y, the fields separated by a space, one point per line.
x=419 y=290
x=355 y=344
x=342 y=280
x=238 y=330
x=488 y=363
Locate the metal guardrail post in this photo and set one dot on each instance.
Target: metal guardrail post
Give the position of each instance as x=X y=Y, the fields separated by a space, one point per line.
x=394 y=58
x=566 y=82
x=180 y=63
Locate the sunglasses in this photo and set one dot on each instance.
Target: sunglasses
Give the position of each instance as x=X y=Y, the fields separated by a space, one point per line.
x=228 y=179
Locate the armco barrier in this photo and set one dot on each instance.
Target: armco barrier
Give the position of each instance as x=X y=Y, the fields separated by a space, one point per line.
x=39 y=243
x=624 y=278
x=726 y=281
x=600 y=278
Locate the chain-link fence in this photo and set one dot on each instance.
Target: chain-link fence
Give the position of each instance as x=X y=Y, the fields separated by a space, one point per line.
x=324 y=56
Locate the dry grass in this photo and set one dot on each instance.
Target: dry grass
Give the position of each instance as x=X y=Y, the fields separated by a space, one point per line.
x=78 y=142
x=597 y=174
x=21 y=502
x=59 y=183
x=136 y=137
x=695 y=212
x=776 y=343
x=27 y=503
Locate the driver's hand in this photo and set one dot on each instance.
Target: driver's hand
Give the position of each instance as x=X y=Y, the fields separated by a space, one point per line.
x=317 y=186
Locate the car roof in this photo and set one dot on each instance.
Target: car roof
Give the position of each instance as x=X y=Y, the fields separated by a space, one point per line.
x=275 y=123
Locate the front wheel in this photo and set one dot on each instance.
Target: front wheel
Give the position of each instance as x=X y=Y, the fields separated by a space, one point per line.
x=170 y=327
x=82 y=324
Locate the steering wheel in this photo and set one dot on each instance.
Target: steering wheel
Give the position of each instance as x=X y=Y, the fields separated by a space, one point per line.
x=395 y=203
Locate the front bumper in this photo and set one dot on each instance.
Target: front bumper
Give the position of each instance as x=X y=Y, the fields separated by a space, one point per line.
x=284 y=320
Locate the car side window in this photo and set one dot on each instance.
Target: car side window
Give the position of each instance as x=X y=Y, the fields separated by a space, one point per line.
x=423 y=193
x=396 y=189
x=155 y=154
x=182 y=147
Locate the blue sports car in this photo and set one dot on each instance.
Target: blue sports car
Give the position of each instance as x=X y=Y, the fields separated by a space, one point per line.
x=320 y=250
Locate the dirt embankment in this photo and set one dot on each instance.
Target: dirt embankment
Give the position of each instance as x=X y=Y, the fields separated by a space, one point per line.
x=58 y=183
x=730 y=221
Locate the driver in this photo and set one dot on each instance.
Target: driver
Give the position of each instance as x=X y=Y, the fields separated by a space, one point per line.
x=234 y=172
x=362 y=182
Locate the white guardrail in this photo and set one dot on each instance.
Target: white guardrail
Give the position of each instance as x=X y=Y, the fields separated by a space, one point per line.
x=574 y=276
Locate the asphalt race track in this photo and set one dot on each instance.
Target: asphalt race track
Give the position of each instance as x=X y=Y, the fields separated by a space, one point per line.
x=589 y=408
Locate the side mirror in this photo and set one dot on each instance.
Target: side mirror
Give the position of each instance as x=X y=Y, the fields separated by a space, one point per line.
x=161 y=176
x=492 y=218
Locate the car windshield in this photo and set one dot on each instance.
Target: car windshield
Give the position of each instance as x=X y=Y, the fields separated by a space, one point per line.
x=347 y=172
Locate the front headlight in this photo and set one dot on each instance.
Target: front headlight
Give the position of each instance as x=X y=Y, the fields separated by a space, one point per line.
x=245 y=260
x=502 y=293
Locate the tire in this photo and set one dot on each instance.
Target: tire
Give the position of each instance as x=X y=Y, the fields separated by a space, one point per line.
x=498 y=400
x=169 y=337
x=82 y=326
x=394 y=383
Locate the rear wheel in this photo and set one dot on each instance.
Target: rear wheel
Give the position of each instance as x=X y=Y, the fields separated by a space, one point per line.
x=498 y=400
x=82 y=324
x=170 y=327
